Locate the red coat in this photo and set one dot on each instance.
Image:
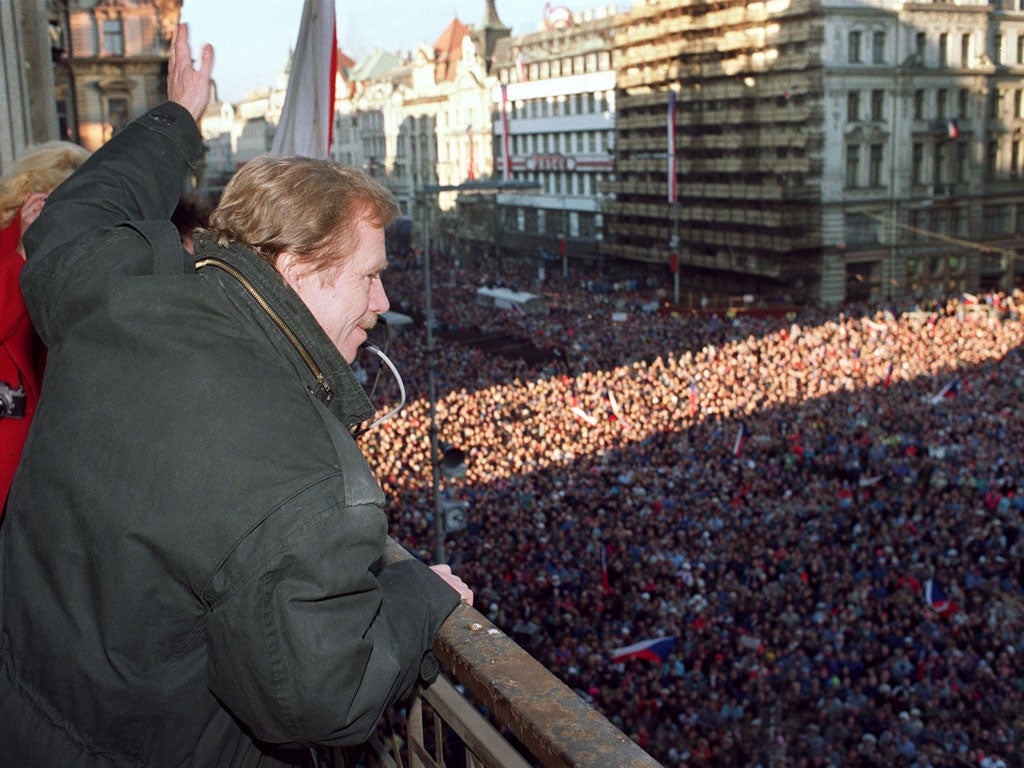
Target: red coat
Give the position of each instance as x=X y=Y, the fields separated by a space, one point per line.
x=22 y=354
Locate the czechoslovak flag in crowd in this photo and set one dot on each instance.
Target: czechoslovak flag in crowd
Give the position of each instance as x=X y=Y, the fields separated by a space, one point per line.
x=655 y=649
x=937 y=599
x=307 y=118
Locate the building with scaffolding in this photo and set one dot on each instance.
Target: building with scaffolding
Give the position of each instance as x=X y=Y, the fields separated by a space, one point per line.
x=819 y=151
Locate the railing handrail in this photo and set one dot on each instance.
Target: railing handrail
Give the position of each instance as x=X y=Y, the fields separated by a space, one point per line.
x=552 y=721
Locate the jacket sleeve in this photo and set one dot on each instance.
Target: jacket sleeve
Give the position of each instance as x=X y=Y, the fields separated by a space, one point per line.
x=318 y=640
x=135 y=177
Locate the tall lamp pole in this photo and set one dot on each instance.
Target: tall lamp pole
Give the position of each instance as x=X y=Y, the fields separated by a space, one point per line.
x=435 y=453
x=435 y=469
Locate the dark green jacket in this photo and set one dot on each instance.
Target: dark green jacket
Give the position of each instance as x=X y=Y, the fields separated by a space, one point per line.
x=190 y=558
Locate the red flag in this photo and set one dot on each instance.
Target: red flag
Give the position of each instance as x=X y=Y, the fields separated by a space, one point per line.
x=307 y=119
x=606 y=585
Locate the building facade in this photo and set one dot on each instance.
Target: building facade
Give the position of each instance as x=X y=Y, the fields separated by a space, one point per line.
x=112 y=63
x=554 y=125
x=819 y=151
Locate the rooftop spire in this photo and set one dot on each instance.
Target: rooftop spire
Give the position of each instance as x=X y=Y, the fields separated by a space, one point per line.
x=491 y=15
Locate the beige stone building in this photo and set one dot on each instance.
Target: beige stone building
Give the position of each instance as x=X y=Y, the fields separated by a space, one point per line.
x=111 y=64
x=824 y=151
x=422 y=120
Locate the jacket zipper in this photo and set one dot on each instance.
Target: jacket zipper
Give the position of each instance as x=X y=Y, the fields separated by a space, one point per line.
x=323 y=390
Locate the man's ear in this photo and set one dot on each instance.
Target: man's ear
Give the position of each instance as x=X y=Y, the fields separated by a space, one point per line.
x=291 y=268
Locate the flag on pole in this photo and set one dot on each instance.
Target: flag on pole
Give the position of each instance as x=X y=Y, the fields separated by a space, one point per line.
x=521 y=66
x=950 y=390
x=655 y=649
x=617 y=411
x=606 y=584
x=672 y=147
x=693 y=398
x=472 y=163
x=307 y=118
x=952 y=129
x=741 y=437
x=888 y=376
x=507 y=159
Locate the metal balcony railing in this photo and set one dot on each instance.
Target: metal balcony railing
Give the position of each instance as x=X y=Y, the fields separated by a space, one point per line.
x=553 y=726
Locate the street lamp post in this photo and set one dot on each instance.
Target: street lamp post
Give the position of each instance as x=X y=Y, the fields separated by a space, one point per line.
x=429 y=191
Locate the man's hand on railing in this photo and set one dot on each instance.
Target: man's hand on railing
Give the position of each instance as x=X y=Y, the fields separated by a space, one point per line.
x=453 y=581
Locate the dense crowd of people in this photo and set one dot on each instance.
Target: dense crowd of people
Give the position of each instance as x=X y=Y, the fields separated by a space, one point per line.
x=822 y=509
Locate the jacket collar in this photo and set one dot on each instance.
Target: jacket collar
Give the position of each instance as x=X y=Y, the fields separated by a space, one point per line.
x=349 y=401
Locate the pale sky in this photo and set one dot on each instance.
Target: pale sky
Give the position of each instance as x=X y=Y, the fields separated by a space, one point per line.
x=252 y=38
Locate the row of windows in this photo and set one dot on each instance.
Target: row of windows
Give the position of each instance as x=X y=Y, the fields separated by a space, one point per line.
x=538 y=221
x=936 y=104
x=861 y=229
x=574 y=184
x=597 y=61
x=947 y=163
x=561 y=106
x=855 y=48
x=571 y=143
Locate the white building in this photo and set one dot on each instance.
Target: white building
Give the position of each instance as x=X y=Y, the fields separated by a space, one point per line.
x=555 y=122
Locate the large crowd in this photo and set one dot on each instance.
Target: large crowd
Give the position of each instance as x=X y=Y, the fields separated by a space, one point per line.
x=785 y=496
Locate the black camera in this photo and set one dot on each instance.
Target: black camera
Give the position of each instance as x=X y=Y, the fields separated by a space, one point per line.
x=12 y=402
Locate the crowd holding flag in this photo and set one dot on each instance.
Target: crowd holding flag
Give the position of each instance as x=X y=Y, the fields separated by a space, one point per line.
x=606 y=584
x=952 y=389
x=307 y=118
x=655 y=649
x=937 y=599
x=742 y=434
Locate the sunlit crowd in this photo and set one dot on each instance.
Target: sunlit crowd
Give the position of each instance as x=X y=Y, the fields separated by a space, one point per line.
x=822 y=507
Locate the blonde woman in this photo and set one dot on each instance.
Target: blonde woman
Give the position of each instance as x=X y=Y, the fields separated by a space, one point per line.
x=22 y=355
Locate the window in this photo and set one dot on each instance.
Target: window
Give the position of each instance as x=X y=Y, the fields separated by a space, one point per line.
x=860 y=229
x=853 y=106
x=937 y=175
x=1015 y=157
x=878 y=48
x=853 y=48
x=875 y=166
x=961 y=161
x=944 y=49
x=996 y=219
x=965 y=50
x=852 y=166
x=1020 y=49
x=919 y=104
x=1018 y=102
x=920 y=44
x=991 y=156
x=113 y=37
x=917 y=164
x=963 y=100
x=878 y=105
x=997 y=49
x=941 y=97
x=995 y=104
